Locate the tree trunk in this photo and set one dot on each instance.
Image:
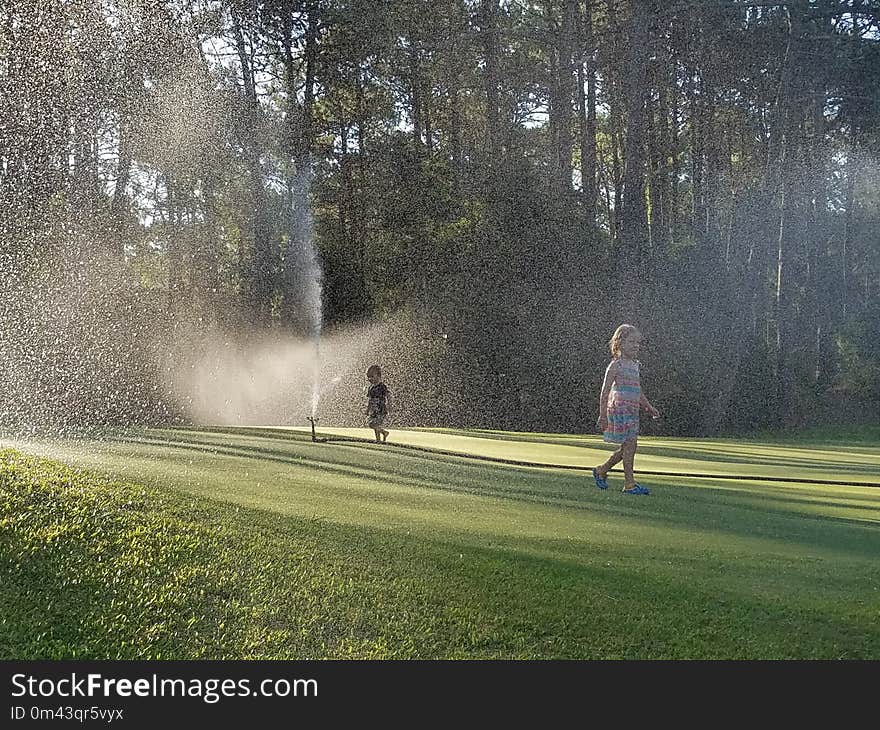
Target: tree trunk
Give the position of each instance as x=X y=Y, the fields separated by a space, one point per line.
x=818 y=288
x=455 y=151
x=586 y=75
x=456 y=116
x=258 y=289
x=426 y=114
x=698 y=208
x=634 y=223
x=674 y=165
x=416 y=93
x=561 y=106
x=786 y=331
x=118 y=202
x=662 y=232
x=616 y=168
x=846 y=246
x=489 y=34
x=362 y=208
x=311 y=53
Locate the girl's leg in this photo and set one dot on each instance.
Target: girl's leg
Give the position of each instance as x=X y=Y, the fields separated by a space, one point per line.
x=629 y=453
x=384 y=435
x=612 y=460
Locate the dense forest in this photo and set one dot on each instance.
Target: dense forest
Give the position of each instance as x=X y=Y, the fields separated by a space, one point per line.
x=491 y=187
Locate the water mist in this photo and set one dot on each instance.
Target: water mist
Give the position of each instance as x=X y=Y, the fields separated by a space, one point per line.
x=305 y=272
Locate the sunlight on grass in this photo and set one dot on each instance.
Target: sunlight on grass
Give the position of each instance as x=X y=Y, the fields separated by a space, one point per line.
x=760 y=557
x=380 y=486
x=695 y=456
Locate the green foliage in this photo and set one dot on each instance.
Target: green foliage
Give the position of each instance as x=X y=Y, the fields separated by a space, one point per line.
x=442 y=145
x=859 y=348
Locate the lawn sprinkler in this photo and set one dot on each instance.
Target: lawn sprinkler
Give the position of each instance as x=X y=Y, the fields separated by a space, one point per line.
x=312 y=420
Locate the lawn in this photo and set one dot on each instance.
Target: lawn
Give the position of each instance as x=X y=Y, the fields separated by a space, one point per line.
x=259 y=543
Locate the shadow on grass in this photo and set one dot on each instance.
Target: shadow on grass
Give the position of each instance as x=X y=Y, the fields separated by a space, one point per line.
x=694 y=453
x=742 y=510
x=300 y=588
x=853 y=466
x=809 y=463
x=702 y=450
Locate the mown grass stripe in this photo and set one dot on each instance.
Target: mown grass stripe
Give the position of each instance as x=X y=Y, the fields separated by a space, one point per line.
x=574 y=467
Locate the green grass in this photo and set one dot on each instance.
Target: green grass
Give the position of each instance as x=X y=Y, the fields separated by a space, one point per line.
x=856 y=461
x=258 y=543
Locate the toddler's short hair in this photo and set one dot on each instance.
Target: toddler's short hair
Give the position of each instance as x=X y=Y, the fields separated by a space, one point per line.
x=374 y=370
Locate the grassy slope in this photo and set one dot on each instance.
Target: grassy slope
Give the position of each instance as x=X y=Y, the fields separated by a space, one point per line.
x=348 y=550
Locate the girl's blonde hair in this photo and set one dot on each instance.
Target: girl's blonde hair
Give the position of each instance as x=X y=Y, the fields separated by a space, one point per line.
x=620 y=334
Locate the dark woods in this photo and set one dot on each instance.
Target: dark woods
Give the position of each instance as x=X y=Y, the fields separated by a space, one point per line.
x=512 y=180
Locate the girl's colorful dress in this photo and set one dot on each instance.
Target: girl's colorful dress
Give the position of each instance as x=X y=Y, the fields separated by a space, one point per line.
x=623 y=403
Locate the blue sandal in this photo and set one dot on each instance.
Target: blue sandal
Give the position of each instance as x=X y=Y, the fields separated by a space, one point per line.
x=637 y=489
x=601 y=482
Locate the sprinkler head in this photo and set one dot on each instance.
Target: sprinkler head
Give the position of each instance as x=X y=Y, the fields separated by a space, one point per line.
x=312 y=419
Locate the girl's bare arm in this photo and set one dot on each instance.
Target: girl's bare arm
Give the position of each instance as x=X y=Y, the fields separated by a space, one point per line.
x=610 y=377
x=646 y=404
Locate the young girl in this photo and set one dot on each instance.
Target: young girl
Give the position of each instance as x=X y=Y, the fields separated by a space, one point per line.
x=619 y=408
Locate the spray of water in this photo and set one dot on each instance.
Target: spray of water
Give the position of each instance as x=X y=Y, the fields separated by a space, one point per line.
x=268 y=380
x=113 y=310
x=305 y=271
